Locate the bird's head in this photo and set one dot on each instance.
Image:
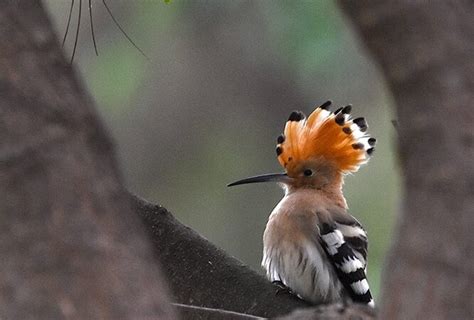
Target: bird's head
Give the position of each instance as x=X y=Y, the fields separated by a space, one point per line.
x=317 y=151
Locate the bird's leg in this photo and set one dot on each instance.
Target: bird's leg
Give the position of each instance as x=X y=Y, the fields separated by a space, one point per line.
x=283 y=289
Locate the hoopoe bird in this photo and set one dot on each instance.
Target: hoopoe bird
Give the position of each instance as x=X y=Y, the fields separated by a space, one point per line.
x=312 y=245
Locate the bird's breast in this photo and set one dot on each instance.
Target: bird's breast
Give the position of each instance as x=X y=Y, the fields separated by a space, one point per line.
x=293 y=255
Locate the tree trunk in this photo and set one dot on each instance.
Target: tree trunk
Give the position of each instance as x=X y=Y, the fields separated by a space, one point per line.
x=70 y=246
x=426 y=51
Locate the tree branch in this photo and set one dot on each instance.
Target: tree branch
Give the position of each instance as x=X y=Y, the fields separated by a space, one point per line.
x=198 y=313
x=201 y=274
x=333 y=312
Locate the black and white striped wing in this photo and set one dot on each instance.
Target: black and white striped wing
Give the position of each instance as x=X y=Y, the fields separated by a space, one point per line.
x=348 y=262
x=355 y=235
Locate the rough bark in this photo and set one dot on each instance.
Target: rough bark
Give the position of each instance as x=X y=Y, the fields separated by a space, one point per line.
x=201 y=274
x=70 y=246
x=202 y=313
x=425 y=49
x=333 y=312
x=324 y=312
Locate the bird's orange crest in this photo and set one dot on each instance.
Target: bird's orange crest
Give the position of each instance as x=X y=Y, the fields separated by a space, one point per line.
x=328 y=136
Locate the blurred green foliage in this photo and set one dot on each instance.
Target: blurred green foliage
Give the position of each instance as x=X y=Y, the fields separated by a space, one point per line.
x=223 y=77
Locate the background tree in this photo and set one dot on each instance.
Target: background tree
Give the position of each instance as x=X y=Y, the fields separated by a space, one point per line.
x=70 y=246
x=425 y=51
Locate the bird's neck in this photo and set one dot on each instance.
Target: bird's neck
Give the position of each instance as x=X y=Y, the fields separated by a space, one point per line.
x=331 y=191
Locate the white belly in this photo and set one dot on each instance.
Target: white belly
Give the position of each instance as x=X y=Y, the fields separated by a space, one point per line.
x=303 y=268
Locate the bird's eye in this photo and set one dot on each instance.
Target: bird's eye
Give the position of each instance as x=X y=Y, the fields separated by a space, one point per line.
x=308 y=173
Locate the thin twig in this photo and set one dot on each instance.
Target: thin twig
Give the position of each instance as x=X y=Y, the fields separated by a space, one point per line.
x=123 y=31
x=68 y=22
x=77 y=31
x=92 y=28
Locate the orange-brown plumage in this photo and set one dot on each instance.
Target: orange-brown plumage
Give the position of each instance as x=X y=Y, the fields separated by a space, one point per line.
x=329 y=137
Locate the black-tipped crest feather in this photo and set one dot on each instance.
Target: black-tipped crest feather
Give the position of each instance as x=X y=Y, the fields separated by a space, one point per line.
x=326 y=105
x=296 y=116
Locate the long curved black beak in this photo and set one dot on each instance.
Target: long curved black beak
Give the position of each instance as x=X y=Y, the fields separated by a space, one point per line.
x=271 y=177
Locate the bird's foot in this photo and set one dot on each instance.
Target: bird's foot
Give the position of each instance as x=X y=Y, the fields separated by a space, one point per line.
x=282 y=289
